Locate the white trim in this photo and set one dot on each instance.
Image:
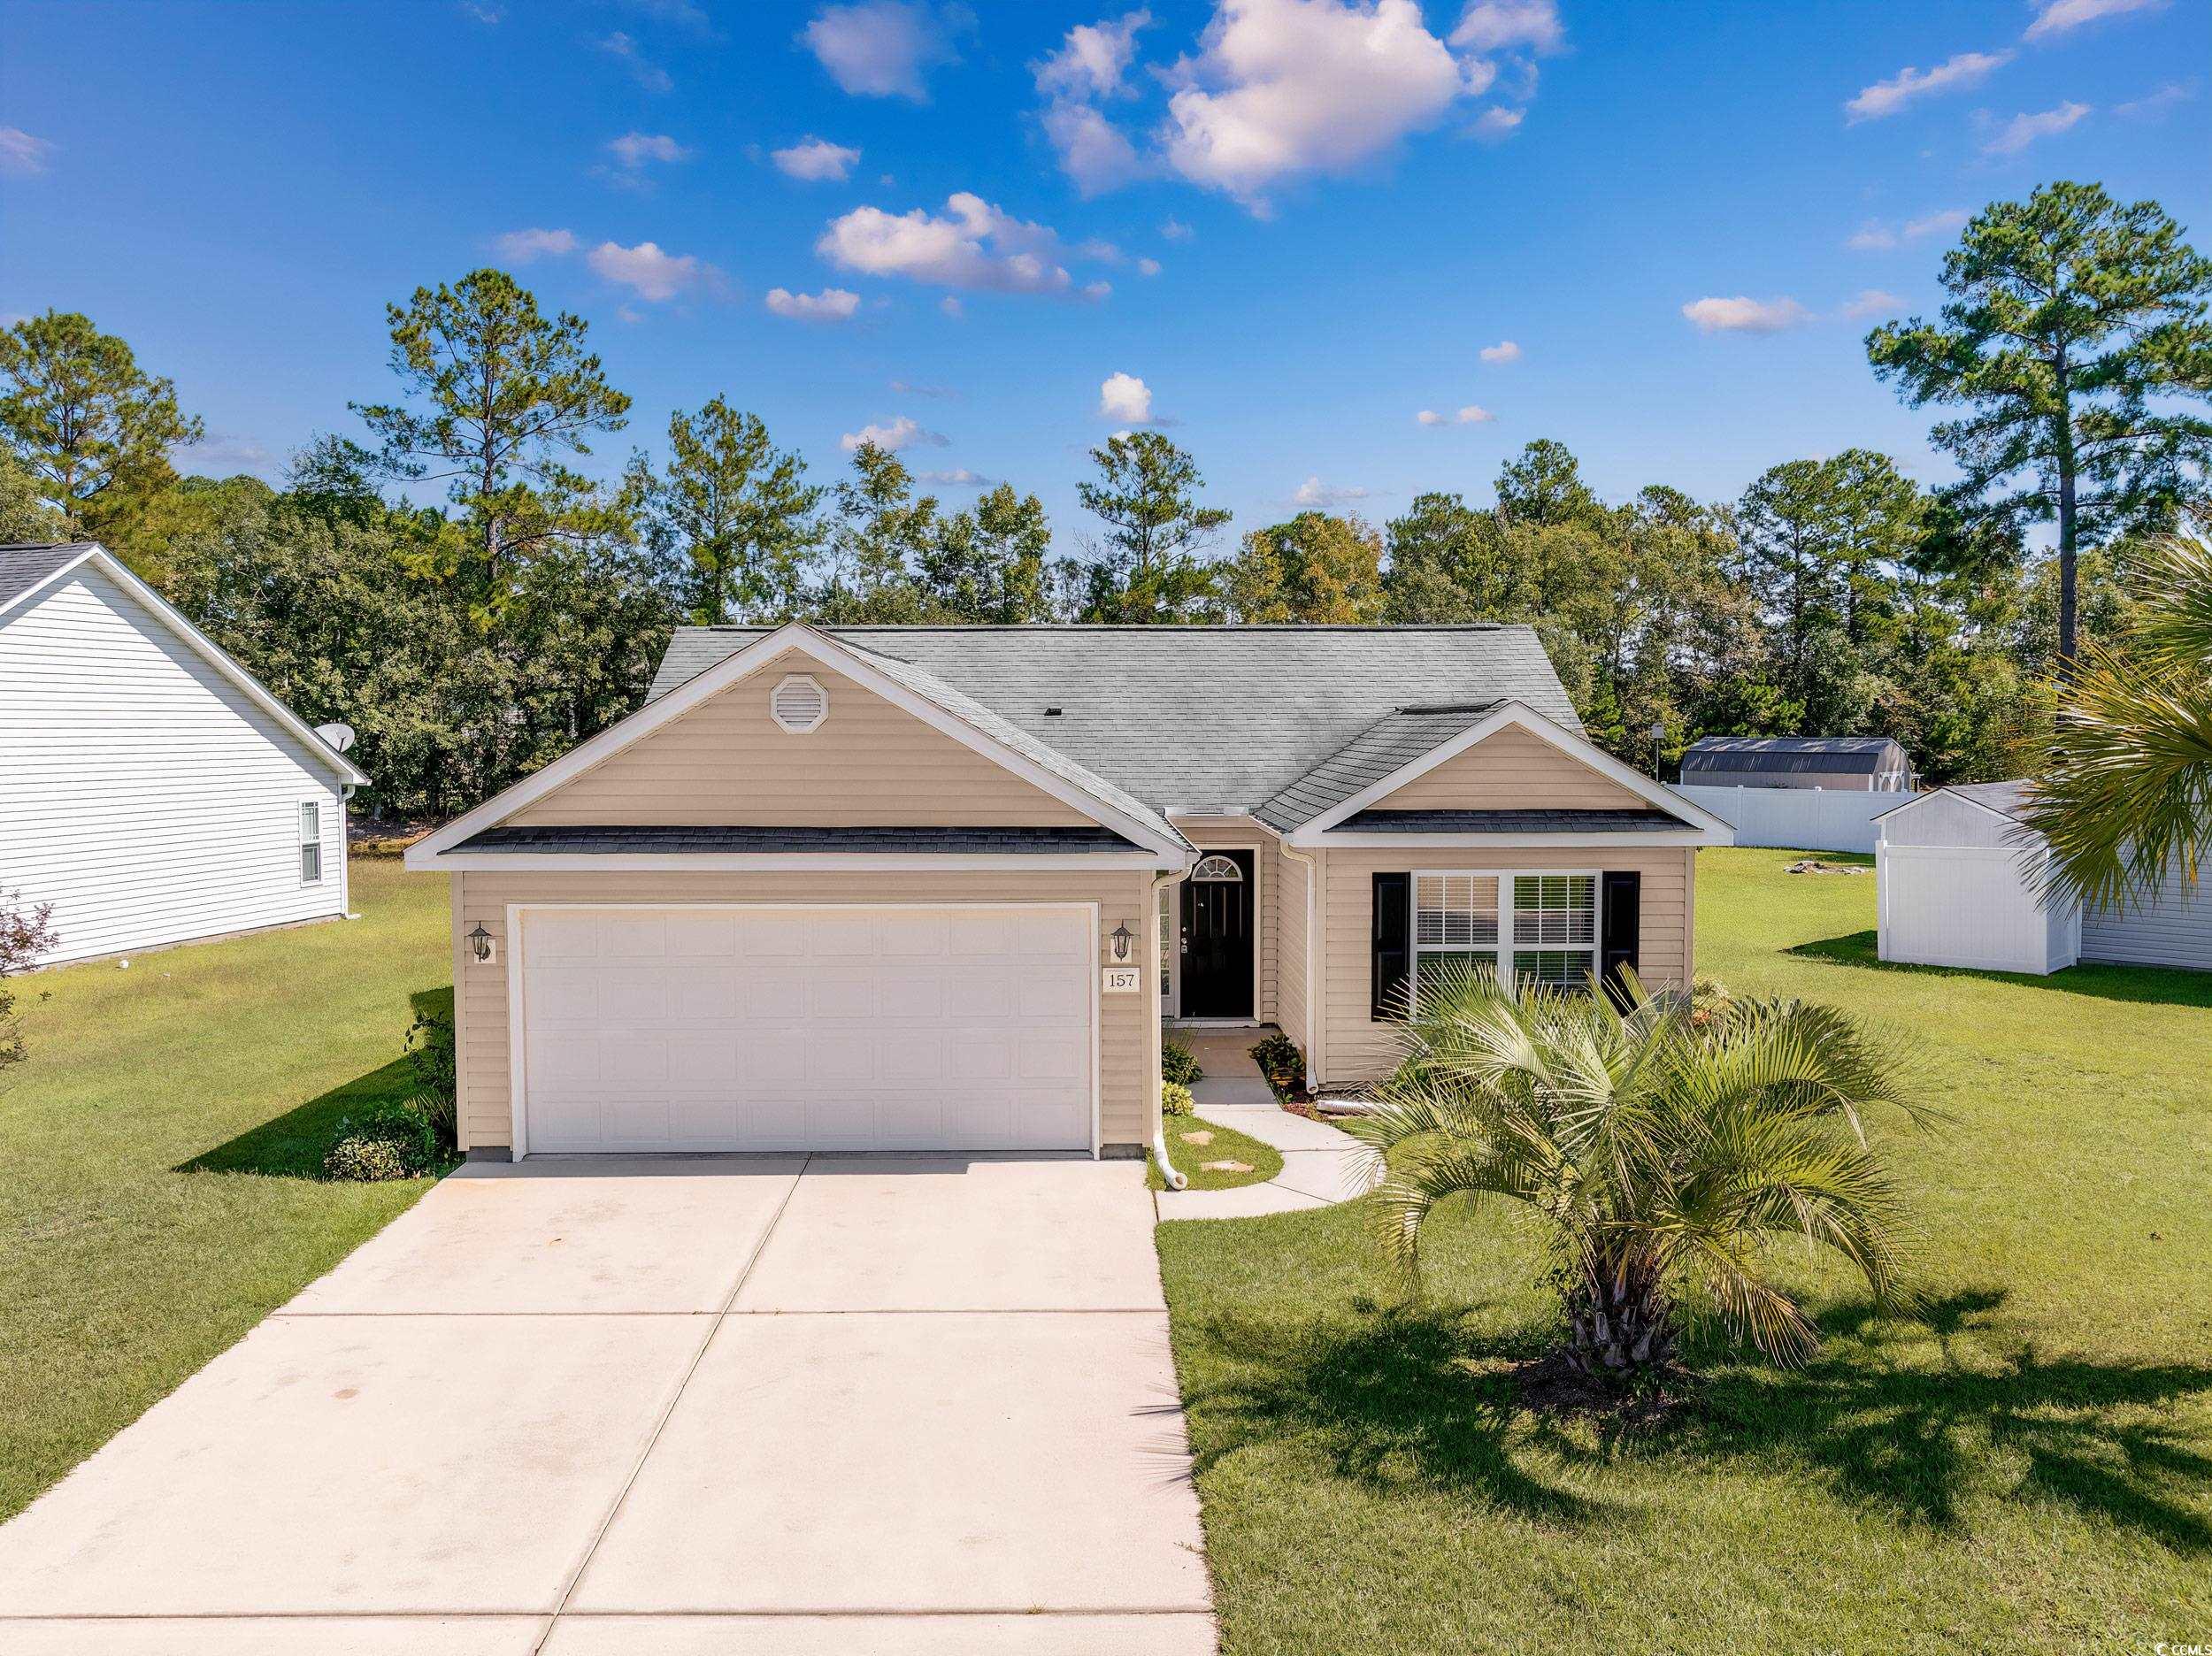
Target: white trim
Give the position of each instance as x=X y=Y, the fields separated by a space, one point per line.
x=216 y=657
x=821 y=704
x=1922 y=799
x=1252 y=887
x=429 y=852
x=793 y=862
x=1710 y=829
x=518 y=1077
x=1530 y=840
x=299 y=858
x=1507 y=944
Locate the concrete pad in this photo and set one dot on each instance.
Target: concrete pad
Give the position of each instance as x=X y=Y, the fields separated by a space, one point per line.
x=1333 y=1175
x=328 y=1466
x=1246 y=1201
x=1277 y=1126
x=951 y=1233
x=275 y=1636
x=1178 y=1635
x=566 y=1234
x=899 y=1463
x=1232 y=1092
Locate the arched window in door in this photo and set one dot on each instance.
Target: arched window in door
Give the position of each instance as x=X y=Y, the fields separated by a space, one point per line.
x=1217 y=867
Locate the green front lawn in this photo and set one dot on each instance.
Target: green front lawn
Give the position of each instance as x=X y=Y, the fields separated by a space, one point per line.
x=159 y=1153
x=1228 y=1145
x=2028 y=1469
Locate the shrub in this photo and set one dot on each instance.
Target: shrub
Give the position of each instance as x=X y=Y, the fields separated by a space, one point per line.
x=1280 y=1061
x=1177 y=1062
x=1709 y=999
x=367 y=1161
x=1175 y=1099
x=402 y=1129
x=438 y=1109
x=431 y=1055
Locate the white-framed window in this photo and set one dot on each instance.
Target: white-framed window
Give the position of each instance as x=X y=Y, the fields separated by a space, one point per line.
x=1217 y=870
x=1534 y=923
x=310 y=842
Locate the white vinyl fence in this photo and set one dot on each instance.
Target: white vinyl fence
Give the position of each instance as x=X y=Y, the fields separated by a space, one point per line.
x=1811 y=819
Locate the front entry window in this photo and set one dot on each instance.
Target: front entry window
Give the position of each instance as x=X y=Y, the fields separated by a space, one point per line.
x=1216 y=868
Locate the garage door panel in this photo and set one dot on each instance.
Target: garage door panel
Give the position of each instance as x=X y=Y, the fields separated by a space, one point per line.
x=779 y=1028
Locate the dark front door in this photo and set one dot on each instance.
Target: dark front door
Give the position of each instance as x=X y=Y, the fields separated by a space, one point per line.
x=1217 y=937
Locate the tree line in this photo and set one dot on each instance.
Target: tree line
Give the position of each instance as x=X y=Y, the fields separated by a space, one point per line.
x=470 y=641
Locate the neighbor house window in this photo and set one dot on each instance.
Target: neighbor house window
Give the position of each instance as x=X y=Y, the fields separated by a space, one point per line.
x=310 y=842
x=1547 y=926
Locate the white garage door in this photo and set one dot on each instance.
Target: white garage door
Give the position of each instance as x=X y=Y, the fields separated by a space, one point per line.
x=806 y=1028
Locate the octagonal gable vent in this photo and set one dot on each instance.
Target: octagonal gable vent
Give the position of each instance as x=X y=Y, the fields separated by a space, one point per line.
x=798 y=704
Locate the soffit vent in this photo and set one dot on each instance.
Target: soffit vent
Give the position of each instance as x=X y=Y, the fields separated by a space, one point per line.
x=798 y=704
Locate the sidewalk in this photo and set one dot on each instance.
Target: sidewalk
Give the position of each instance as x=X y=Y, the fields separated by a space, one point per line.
x=1320 y=1165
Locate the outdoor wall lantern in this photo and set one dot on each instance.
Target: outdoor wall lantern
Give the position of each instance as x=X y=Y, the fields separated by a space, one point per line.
x=1122 y=936
x=481 y=945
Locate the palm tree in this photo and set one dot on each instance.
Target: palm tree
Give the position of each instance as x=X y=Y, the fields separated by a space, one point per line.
x=1664 y=1158
x=2126 y=792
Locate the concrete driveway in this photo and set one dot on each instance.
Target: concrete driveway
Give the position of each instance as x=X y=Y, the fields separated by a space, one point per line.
x=896 y=1404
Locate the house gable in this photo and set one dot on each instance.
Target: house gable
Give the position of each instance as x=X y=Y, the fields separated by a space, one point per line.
x=727 y=763
x=1513 y=769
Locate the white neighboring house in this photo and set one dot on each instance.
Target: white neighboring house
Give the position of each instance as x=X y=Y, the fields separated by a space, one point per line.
x=1958 y=880
x=151 y=789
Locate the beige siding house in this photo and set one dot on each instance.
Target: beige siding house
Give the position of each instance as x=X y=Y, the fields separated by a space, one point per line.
x=939 y=888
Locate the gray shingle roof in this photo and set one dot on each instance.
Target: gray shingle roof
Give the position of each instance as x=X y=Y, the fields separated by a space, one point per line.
x=1787 y=755
x=2004 y=798
x=1389 y=744
x=1506 y=822
x=1194 y=718
x=23 y=566
x=615 y=838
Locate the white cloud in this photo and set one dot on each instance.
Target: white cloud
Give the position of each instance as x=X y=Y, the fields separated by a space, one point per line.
x=1176 y=230
x=1147 y=267
x=1504 y=351
x=636 y=149
x=959 y=476
x=832 y=305
x=1281 y=88
x=1952 y=74
x=1092 y=60
x=2058 y=15
x=2154 y=106
x=1496 y=123
x=1874 y=302
x=521 y=247
x=1470 y=415
x=1874 y=236
x=884 y=48
x=21 y=154
x=650 y=272
x=1125 y=398
x=974 y=246
x=2023 y=130
x=646 y=73
x=1314 y=495
x=1094 y=152
x=902 y=433
x=951 y=306
x=682 y=12
x=816 y=160
x=1741 y=315
x=1501 y=25
x=225 y=453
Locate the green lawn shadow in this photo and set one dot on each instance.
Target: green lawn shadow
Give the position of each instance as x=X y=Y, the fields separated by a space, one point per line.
x=291 y=1146
x=1412 y=1396
x=2153 y=985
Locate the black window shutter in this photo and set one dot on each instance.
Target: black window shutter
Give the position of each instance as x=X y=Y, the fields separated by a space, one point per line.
x=1392 y=955
x=1621 y=919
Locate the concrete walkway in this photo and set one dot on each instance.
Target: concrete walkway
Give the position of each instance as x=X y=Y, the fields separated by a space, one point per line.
x=1321 y=1166
x=889 y=1405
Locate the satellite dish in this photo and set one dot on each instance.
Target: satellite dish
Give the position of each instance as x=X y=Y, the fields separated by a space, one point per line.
x=339 y=736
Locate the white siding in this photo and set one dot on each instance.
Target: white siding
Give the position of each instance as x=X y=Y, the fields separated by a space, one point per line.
x=142 y=792
x=1974 y=906
x=2173 y=928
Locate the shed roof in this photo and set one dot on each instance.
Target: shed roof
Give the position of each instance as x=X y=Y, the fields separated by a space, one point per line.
x=25 y=563
x=1857 y=756
x=1204 y=718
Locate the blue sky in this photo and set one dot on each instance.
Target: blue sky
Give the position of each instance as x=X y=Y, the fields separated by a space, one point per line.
x=1347 y=203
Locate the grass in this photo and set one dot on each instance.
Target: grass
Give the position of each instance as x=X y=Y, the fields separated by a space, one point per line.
x=1228 y=1145
x=159 y=1154
x=2029 y=1467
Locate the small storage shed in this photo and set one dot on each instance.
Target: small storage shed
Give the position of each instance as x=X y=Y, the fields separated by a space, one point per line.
x=1959 y=883
x=1859 y=763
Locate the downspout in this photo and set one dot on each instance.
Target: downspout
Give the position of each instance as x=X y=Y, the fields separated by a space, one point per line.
x=1313 y=988
x=1169 y=877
